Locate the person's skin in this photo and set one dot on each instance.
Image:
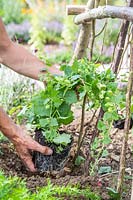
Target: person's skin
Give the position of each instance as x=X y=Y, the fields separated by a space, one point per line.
x=20 y=60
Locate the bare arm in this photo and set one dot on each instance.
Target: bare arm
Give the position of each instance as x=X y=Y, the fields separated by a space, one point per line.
x=20 y=59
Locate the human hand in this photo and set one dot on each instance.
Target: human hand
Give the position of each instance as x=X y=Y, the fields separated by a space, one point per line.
x=24 y=144
x=53 y=70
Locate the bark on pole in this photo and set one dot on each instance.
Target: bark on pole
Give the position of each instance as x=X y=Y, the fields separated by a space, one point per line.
x=75 y=10
x=118 y=52
x=84 y=36
x=120 y=47
x=127 y=122
x=102 y=12
x=132 y=191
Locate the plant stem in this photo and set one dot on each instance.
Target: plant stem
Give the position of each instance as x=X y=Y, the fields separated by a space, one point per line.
x=82 y=44
x=81 y=132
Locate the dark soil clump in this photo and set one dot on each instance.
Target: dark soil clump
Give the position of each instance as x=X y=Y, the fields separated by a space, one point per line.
x=56 y=161
x=120 y=123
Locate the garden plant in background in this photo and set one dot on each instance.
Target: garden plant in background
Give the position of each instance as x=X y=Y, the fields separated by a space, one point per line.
x=11 y=11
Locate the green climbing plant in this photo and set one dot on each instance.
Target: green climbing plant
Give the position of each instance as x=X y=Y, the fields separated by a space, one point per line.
x=51 y=107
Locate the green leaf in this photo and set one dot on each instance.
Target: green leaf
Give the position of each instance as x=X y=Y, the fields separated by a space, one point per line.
x=110 y=116
x=106 y=139
x=50 y=122
x=50 y=134
x=46 y=101
x=75 y=66
x=129 y=177
x=118 y=99
x=70 y=97
x=113 y=194
x=66 y=120
x=101 y=126
x=67 y=69
x=53 y=122
x=63 y=139
x=131 y=108
x=82 y=94
x=41 y=110
x=64 y=109
x=105 y=170
x=105 y=153
x=95 y=144
x=107 y=116
x=79 y=160
x=75 y=77
x=44 y=122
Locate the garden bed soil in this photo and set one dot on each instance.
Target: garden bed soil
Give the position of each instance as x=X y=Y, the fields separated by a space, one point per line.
x=12 y=165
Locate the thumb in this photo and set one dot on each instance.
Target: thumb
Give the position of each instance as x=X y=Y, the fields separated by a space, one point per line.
x=42 y=149
x=45 y=150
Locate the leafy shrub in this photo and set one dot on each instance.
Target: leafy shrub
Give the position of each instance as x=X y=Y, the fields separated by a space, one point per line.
x=101 y=58
x=19 y=32
x=11 y=11
x=43 y=29
x=14 y=188
x=50 y=108
x=16 y=91
x=69 y=33
x=59 y=57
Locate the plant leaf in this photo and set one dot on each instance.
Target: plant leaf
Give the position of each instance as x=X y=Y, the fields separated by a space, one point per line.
x=79 y=160
x=104 y=170
x=70 y=97
x=63 y=139
x=113 y=194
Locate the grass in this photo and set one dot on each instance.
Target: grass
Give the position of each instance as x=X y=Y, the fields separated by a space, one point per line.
x=14 y=188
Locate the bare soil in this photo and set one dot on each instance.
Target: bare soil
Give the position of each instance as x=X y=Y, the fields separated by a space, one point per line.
x=12 y=165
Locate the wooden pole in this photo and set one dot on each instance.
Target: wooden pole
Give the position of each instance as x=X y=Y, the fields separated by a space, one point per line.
x=84 y=36
x=119 y=49
x=75 y=10
x=102 y=12
x=127 y=123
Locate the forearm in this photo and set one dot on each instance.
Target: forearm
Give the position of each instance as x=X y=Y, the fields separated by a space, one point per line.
x=23 y=62
x=7 y=126
x=20 y=59
x=4 y=39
